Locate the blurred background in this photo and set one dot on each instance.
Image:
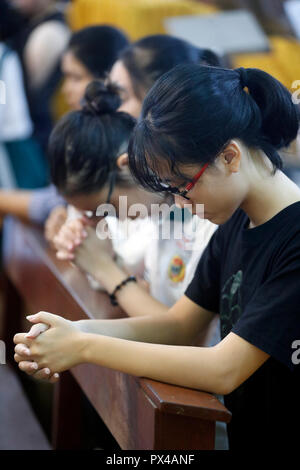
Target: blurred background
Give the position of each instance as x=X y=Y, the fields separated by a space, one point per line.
x=35 y=33
x=40 y=87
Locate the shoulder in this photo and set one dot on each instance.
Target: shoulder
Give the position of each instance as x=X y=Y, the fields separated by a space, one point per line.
x=288 y=223
x=233 y=227
x=285 y=241
x=49 y=31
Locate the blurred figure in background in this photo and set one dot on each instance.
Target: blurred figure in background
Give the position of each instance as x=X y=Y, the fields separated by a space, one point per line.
x=39 y=39
x=11 y=20
x=90 y=54
x=147 y=59
x=22 y=163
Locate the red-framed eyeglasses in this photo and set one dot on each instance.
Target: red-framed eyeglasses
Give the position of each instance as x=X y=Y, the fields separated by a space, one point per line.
x=189 y=186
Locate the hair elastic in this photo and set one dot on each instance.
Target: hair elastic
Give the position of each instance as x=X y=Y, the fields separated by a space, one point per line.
x=243 y=76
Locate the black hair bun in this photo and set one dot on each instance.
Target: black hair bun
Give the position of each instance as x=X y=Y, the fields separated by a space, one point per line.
x=101 y=98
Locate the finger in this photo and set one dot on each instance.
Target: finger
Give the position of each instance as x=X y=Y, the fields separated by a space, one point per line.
x=64 y=229
x=43 y=374
x=28 y=366
x=36 y=330
x=21 y=338
x=60 y=218
x=78 y=228
x=54 y=223
x=78 y=223
x=22 y=350
x=19 y=358
x=44 y=317
x=64 y=255
x=65 y=240
x=75 y=234
x=60 y=242
x=71 y=231
x=54 y=378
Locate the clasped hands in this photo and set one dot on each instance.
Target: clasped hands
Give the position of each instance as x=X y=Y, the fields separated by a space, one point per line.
x=52 y=345
x=35 y=353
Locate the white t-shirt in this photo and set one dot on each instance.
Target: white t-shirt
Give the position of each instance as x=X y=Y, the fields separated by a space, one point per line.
x=15 y=122
x=167 y=264
x=170 y=264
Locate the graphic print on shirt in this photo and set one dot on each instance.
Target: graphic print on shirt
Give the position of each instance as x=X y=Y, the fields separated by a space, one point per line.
x=176 y=269
x=231 y=303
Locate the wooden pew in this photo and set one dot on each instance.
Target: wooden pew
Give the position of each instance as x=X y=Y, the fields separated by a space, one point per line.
x=140 y=413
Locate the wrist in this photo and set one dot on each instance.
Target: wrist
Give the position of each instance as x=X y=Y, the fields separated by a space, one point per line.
x=82 y=347
x=99 y=268
x=111 y=276
x=83 y=326
x=119 y=287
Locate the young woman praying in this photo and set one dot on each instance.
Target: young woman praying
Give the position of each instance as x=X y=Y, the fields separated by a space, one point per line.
x=232 y=123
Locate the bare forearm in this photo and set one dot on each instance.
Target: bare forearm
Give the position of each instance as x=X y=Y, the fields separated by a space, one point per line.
x=149 y=329
x=133 y=298
x=15 y=202
x=185 y=366
x=180 y=324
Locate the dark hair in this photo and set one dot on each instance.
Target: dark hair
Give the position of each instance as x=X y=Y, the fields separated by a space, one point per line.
x=193 y=111
x=85 y=144
x=149 y=58
x=11 y=22
x=97 y=48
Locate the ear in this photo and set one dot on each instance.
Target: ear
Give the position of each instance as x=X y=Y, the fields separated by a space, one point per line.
x=231 y=156
x=122 y=161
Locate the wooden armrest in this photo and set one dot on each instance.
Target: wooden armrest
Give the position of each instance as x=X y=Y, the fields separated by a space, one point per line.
x=188 y=402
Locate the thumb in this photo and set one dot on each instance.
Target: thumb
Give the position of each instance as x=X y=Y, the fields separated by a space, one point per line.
x=44 y=317
x=36 y=330
x=63 y=255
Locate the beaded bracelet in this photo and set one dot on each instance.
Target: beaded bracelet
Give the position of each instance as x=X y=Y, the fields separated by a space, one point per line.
x=119 y=286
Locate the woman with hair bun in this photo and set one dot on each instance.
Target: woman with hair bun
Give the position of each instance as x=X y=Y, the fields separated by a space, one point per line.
x=88 y=164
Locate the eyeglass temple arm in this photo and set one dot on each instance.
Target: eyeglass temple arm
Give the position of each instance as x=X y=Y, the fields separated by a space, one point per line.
x=196 y=177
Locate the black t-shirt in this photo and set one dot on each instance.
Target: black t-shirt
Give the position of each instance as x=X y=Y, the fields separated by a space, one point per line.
x=251 y=277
